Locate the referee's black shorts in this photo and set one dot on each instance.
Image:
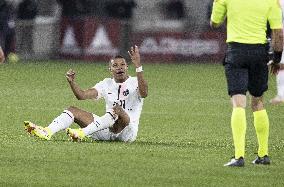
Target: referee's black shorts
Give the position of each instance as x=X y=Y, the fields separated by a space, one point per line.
x=246 y=69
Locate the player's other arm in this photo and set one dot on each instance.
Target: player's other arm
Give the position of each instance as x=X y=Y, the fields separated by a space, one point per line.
x=218 y=15
x=142 y=83
x=2 y=56
x=80 y=94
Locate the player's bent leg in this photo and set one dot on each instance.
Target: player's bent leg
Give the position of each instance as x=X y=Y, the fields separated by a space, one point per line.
x=89 y=124
x=81 y=117
x=128 y=134
x=118 y=126
x=115 y=120
x=122 y=121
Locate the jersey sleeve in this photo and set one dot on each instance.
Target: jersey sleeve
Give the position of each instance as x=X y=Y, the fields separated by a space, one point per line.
x=275 y=15
x=100 y=89
x=219 y=11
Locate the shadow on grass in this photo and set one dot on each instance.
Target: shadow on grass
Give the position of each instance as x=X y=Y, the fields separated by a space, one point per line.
x=157 y=143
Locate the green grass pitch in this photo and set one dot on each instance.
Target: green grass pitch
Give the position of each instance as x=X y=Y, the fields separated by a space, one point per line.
x=184 y=135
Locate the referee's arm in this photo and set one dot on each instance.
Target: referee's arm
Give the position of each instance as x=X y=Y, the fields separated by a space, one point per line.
x=277 y=39
x=275 y=22
x=218 y=15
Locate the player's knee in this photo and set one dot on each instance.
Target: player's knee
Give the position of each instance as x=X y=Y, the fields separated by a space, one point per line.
x=122 y=115
x=72 y=109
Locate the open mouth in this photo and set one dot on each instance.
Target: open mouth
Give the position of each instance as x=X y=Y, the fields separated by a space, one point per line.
x=120 y=73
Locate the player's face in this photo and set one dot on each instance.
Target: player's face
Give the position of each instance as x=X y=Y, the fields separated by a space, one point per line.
x=118 y=68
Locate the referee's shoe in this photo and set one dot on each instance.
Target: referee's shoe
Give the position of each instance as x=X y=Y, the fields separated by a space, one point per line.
x=240 y=162
x=262 y=160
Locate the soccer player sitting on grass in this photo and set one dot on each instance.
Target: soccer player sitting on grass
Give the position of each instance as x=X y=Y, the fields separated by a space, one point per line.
x=123 y=95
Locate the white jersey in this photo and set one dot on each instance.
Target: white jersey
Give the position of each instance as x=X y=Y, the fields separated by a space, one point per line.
x=125 y=94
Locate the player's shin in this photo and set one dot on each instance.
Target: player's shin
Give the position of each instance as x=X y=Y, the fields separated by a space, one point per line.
x=61 y=122
x=100 y=123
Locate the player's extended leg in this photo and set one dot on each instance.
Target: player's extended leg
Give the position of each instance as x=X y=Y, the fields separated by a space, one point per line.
x=63 y=121
x=261 y=124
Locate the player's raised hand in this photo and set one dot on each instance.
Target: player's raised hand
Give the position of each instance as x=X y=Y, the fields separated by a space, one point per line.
x=70 y=75
x=135 y=56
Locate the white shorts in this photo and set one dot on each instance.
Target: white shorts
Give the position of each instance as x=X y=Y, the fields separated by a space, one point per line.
x=128 y=134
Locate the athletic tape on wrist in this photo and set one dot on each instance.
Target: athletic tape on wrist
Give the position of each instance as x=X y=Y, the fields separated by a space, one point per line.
x=139 y=69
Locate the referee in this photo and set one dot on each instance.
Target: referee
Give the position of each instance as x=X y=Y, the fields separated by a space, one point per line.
x=246 y=65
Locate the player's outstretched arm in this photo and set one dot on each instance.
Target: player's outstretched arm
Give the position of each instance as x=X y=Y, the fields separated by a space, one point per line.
x=2 y=56
x=142 y=83
x=78 y=92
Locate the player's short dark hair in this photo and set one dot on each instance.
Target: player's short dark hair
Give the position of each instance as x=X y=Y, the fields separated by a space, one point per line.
x=119 y=56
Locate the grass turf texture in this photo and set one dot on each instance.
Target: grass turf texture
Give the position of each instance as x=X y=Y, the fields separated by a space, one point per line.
x=184 y=136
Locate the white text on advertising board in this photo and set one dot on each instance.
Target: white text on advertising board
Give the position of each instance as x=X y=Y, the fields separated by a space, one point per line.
x=186 y=47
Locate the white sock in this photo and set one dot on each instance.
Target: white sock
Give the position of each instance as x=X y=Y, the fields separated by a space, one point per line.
x=100 y=123
x=280 y=84
x=63 y=121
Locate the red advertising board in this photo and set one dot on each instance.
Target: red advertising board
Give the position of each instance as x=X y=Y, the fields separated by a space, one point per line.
x=92 y=38
x=89 y=38
x=179 y=46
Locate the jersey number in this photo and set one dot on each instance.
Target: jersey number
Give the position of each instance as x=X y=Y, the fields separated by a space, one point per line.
x=120 y=102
